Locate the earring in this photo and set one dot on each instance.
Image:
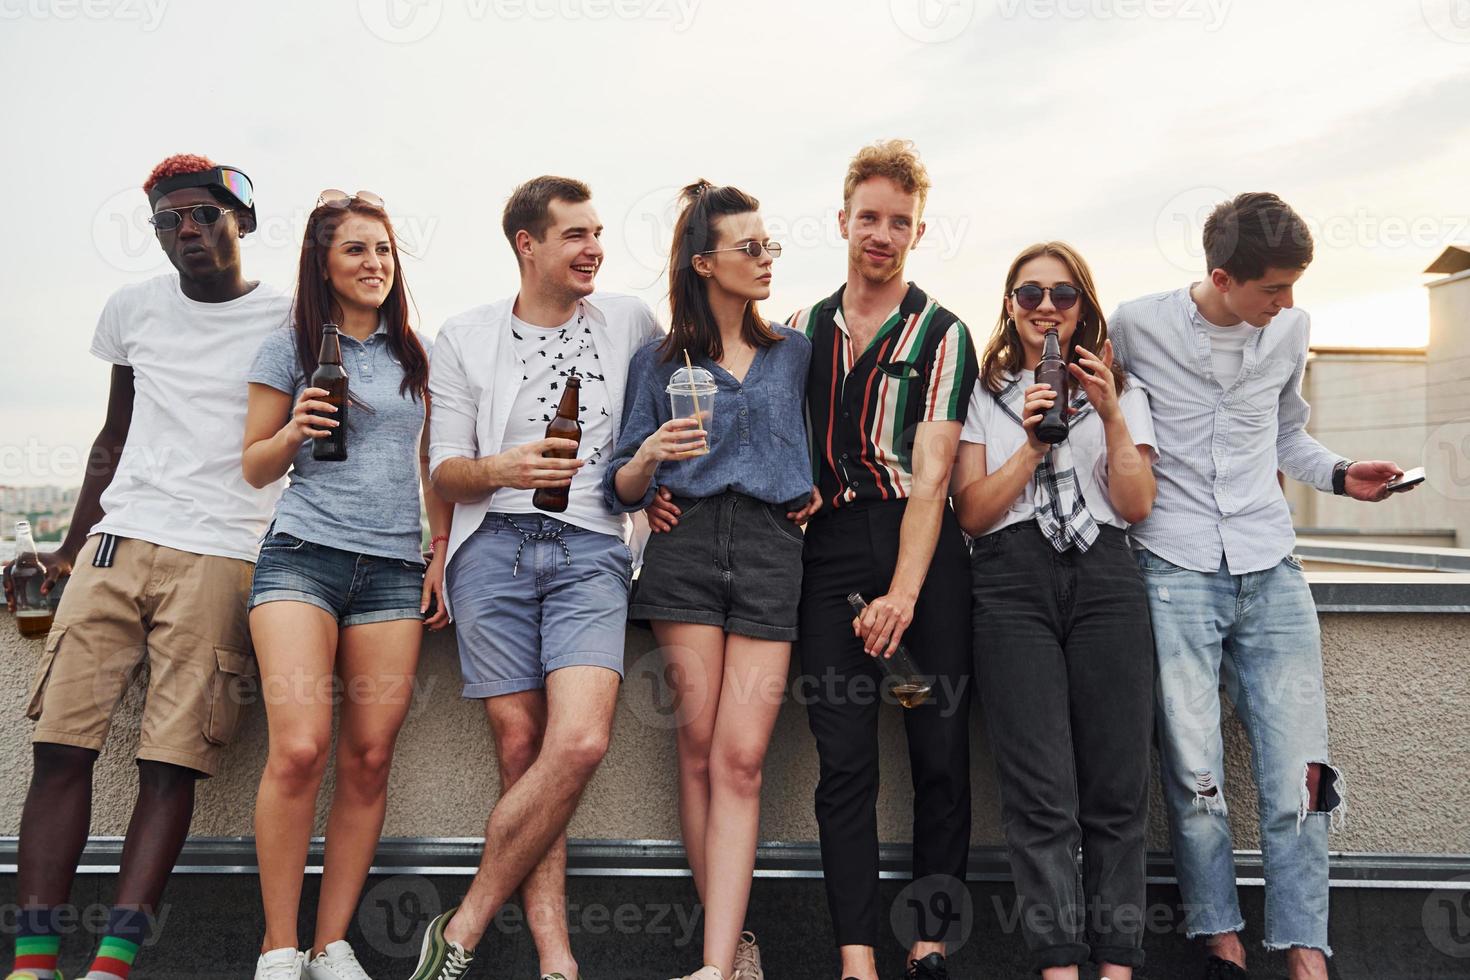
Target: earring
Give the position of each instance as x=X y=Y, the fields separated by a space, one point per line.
x=1010 y=323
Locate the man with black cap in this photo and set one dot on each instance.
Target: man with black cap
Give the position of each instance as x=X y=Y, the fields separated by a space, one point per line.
x=163 y=540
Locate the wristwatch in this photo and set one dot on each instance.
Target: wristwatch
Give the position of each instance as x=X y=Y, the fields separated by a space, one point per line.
x=1339 y=477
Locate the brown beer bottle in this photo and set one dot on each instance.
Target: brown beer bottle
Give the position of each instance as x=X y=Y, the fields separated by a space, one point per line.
x=1052 y=370
x=32 y=610
x=564 y=425
x=330 y=376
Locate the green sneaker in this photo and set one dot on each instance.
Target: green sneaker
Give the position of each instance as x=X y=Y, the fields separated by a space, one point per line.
x=28 y=975
x=440 y=959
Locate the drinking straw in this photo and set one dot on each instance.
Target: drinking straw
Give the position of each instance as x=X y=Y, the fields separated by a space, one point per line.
x=694 y=393
x=693 y=389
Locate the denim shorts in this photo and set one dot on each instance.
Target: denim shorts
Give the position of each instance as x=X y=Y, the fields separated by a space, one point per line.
x=353 y=588
x=532 y=594
x=732 y=561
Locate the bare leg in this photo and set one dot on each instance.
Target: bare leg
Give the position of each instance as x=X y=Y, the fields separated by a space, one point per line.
x=1306 y=964
x=53 y=825
x=296 y=644
x=156 y=833
x=518 y=723
x=695 y=658
x=750 y=698
x=536 y=810
x=1227 y=946
x=377 y=663
x=858 y=962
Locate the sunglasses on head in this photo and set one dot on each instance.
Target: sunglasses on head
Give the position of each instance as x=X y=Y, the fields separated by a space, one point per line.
x=340 y=199
x=751 y=248
x=169 y=219
x=1029 y=296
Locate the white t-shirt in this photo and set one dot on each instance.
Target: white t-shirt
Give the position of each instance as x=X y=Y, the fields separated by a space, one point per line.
x=179 y=482
x=548 y=355
x=1227 y=350
x=987 y=424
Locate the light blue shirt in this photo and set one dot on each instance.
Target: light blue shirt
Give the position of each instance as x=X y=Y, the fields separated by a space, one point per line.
x=1220 y=440
x=369 y=502
x=757 y=434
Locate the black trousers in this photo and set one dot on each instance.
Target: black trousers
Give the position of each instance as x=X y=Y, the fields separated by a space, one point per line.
x=1065 y=662
x=855 y=550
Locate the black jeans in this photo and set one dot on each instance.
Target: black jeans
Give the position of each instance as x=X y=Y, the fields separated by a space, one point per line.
x=1065 y=664
x=855 y=550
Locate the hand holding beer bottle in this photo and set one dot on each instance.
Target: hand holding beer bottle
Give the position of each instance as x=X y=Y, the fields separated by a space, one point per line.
x=309 y=417
x=546 y=465
x=566 y=429
x=331 y=380
x=58 y=566
x=24 y=580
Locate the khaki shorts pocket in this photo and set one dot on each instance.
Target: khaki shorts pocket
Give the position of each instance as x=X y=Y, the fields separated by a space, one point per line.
x=43 y=673
x=227 y=693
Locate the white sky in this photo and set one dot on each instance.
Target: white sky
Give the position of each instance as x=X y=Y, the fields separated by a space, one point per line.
x=1114 y=124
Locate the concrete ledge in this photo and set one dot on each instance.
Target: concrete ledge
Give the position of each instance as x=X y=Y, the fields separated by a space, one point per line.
x=1390 y=592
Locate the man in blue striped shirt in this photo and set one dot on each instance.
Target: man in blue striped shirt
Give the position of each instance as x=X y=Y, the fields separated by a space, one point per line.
x=1223 y=362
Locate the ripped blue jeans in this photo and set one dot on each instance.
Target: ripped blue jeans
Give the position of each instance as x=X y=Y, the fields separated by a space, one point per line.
x=1258 y=634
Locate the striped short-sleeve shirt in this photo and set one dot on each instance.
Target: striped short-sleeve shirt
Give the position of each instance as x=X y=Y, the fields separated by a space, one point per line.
x=865 y=406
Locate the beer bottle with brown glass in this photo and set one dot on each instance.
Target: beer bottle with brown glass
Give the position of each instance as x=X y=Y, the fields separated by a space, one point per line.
x=332 y=378
x=32 y=610
x=564 y=425
x=1052 y=370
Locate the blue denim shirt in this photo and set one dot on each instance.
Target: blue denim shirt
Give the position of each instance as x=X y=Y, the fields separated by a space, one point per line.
x=369 y=502
x=758 y=438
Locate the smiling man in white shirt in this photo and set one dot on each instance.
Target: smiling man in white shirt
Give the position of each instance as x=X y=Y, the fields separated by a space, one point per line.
x=540 y=601
x=1223 y=361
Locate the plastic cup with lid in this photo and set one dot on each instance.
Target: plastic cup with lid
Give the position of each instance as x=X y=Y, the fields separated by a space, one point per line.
x=692 y=396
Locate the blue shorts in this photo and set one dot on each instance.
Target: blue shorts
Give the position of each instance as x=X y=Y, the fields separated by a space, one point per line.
x=354 y=588
x=532 y=594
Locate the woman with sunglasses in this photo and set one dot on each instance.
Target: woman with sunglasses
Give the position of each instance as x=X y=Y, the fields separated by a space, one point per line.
x=341 y=591
x=721 y=589
x=1063 y=650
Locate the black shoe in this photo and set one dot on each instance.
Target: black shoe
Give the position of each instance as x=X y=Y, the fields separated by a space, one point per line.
x=930 y=967
x=1218 y=969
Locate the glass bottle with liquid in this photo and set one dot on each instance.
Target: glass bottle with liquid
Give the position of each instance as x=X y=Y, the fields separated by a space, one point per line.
x=910 y=685
x=32 y=609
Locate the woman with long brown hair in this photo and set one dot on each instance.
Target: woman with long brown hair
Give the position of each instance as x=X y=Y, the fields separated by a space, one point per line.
x=341 y=590
x=1063 y=651
x=721 y=589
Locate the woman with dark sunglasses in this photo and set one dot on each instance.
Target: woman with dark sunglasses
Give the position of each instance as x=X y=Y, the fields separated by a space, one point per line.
x=1063 y=650
x=341 y=590
x=721 y=589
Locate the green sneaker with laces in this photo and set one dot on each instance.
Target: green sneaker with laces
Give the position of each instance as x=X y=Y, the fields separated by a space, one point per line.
x=439 y=958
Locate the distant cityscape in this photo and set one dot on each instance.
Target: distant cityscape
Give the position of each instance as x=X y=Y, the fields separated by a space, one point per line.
x=47 y=508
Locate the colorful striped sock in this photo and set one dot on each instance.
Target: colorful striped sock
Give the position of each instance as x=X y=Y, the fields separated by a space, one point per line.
x=37 y=943
x=126 y=930
x=114 y=959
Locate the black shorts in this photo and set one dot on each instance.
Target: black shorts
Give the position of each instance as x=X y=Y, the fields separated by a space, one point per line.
x=732 y=561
